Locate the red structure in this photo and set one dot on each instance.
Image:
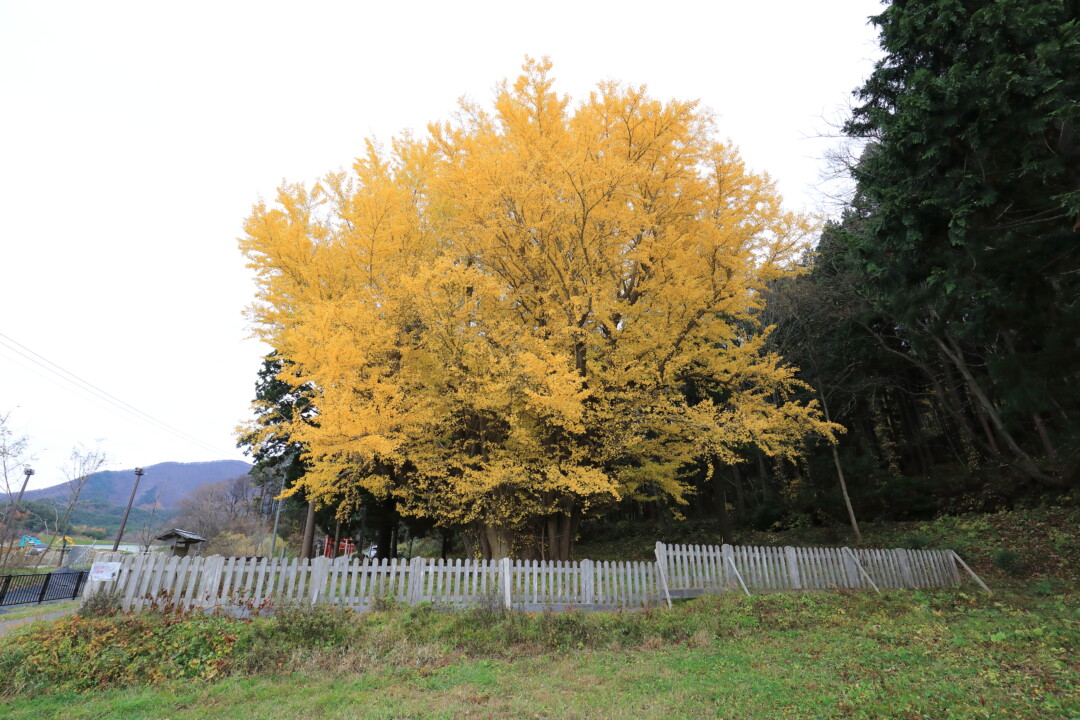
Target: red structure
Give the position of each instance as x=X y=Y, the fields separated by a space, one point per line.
x=344 y=548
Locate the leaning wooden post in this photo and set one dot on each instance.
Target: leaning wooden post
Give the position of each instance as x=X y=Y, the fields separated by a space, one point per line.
x=970 y=571
x=861 y=570
x=661 y=565
x=730 y=558
x=727 y=554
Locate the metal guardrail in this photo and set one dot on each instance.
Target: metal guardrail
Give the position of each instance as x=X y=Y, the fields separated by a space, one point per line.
x=39 y=588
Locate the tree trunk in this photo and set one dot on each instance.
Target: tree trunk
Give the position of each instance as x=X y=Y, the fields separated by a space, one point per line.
x=962 y=430
x=1044 y=437
x=384 y=538
x=740 y=494
x=495 y=543
x=766 y=481
x=946 y=398
x=308 y=546
x=840 y=476
x=720 y=489
x=559 y=532
x=444 y=548
x=914 y=432
x=987 y=431
x=1028 y=465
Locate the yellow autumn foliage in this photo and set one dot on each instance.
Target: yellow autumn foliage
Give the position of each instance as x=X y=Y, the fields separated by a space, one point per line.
x=533 y=312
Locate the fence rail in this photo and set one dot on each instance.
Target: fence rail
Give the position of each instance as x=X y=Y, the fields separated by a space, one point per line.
x=679 y=571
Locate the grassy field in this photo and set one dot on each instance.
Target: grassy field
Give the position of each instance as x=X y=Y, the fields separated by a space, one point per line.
x=902 y=655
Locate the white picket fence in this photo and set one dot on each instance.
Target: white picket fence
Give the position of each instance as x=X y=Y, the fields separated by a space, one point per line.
x=679 y=571
x=242 y=583
x=692 y=570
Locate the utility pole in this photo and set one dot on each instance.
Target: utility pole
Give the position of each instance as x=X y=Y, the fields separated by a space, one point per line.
x=123 y=523
x=277 y=517
x=27 y=471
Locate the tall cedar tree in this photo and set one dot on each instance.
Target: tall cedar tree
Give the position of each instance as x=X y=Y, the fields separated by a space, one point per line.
x=279 y=460
x=969 y=209
x=500 y=319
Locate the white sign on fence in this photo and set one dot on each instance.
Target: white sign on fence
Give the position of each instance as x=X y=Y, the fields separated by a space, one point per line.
x=103 y=571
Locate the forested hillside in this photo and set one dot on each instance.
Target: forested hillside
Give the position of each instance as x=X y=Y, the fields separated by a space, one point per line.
x=164 y=484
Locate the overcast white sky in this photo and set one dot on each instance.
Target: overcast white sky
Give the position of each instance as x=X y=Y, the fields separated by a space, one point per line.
x=136 y=136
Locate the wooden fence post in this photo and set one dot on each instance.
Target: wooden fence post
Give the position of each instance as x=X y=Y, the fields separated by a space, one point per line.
x=416 y=580
x=587 y=590
x=904 y=556
x=212 y=580
x=504 y=575
x=317 y=582
x=793 y=567
x=851 y=569
x=132 y=585
x=661 y=565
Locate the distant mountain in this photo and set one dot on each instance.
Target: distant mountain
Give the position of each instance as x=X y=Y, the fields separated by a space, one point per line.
x=169 y=481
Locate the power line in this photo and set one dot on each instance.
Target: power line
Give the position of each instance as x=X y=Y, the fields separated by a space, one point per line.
x=96 y=393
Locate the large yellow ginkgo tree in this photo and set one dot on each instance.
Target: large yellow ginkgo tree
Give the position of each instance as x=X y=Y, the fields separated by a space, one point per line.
x=501 y=319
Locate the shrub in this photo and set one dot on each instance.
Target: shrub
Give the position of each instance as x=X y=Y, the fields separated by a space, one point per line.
x=80 y=652
x=100 y=604
x=916 y=542
x=1045 y=587
x=310 y=626
x=1009 y=562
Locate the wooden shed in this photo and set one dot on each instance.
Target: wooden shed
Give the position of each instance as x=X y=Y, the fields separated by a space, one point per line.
x=181 y=540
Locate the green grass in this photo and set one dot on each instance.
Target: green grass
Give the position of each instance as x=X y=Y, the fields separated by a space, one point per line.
x=901 y=655
x=27 y=611
x=31 y=570
x=55 y=539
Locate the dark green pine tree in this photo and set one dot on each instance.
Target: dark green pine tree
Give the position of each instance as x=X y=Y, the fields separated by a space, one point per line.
x=277 y=456
x=970 y=186
x=278 y=460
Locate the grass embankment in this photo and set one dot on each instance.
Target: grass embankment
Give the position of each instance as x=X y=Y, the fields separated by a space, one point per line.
x=829 y=655
x=910 y=654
